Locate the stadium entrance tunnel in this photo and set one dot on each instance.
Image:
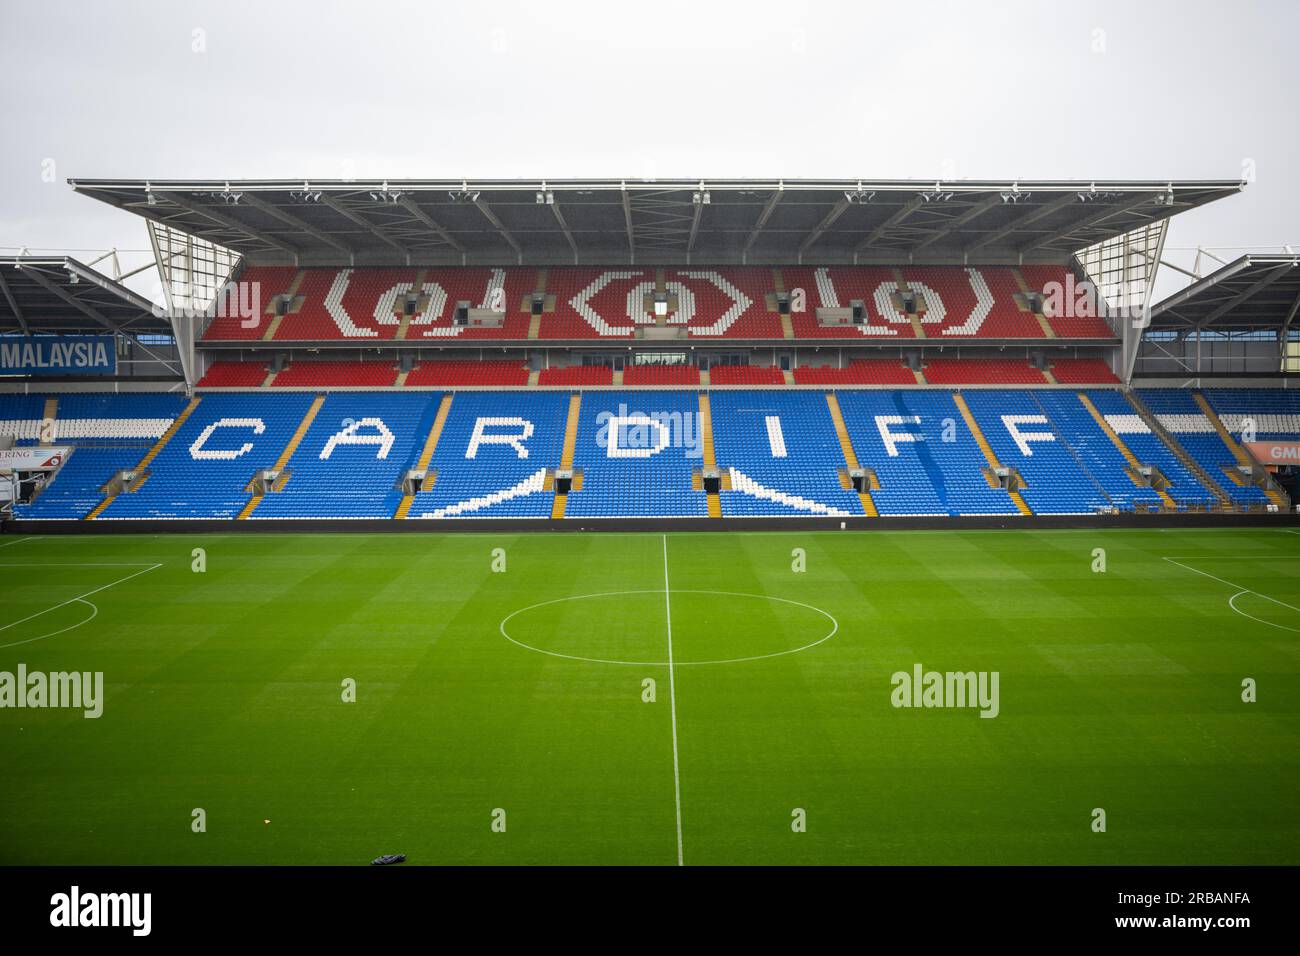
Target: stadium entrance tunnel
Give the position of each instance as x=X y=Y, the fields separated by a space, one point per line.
x=632 y=627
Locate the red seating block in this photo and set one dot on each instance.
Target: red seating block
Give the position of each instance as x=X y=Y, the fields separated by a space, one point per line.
x=746 y=375
x=577 y=375
x=337 y=375
x=233 y=375
x=858 y=372
x=461 y=373
x=1087 y=371
x=982 y=372
x=661 y=375
x=1067 y=326
x=260 y=285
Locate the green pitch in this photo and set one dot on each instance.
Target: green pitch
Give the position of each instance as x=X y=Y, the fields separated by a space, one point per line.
x=1120 y=690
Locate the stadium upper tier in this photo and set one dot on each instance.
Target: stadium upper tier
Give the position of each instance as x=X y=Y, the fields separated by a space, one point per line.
x=435 y=305
x=652 y=453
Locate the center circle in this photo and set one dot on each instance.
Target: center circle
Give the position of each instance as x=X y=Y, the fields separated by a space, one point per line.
x=633 y=627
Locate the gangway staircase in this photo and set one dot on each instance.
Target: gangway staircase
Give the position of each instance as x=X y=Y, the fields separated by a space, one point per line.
x=850 y=456
x=283 y=460
x=994 y=466
x=566 y=455
x=426 y=454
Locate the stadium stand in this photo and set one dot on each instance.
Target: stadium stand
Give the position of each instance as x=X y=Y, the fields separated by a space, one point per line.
x=493 y=455
x=336 y=375
x=661 y=375
x=982 y=372
x=856 y=372
x=1127 y=422
x=350 y=462
x=1178 y=411
x=461 y=374
x=746 y=375
x=576 y=375
x=205 y=468
x=471 y=375
x=781 y=455
x=1042 y=279
x=957 y=461
x=1099 y=457
x=1273 y=413
x=1022 y=436
x=108 y=433
x=222 y=374
x=322 y=304
x=778 y=452
x=889 y=438
x=637 y=452
x=257 y=286
x=1083 y=372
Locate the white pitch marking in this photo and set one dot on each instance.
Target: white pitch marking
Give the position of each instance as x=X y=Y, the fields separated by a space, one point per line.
x=1240 y=590
x=672 y=702
x=74 y=600
x=94 y=613
x=10 y=544
x=76 y=564
x=835 y=627
x=1232 y=603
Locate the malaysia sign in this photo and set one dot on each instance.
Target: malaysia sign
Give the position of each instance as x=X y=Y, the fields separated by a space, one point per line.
x=57 y=355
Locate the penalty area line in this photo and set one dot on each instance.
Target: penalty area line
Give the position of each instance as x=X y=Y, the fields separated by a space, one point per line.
x=1232 y=601
x=73 y=600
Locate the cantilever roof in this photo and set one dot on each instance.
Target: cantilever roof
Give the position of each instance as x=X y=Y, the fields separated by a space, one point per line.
x=40 y=294
x=613 y=221
x=1253 y=292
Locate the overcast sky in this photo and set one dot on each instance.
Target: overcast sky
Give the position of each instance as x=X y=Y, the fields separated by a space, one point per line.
x=1083 y=89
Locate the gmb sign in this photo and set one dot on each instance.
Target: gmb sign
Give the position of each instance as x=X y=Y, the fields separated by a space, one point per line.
x=57 y=355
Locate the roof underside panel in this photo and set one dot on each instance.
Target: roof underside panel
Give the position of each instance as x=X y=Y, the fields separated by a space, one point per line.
x=60 y=295
x=1252 y=293
x=612 y=222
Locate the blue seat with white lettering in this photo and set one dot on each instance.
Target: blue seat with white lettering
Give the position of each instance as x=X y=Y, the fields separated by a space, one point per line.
x=492 y=456
x=202 y=472
x=781 y=453
x=351 y=461
x=637 y=452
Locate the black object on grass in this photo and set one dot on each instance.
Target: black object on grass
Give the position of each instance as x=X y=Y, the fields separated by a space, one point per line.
x=388 y=858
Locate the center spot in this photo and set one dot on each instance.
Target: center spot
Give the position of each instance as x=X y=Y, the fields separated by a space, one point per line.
x=631 y=627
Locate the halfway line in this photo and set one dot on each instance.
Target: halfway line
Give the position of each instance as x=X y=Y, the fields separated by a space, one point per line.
x=672 y=702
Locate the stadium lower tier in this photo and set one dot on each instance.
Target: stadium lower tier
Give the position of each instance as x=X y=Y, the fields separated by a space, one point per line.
x=680 y=453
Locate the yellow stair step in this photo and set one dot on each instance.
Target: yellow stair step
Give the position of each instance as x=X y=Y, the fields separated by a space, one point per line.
x=426 y=453
x=846 y=448
x=289 y=449
x=1133 y=463
x=960 y=401
x=1238 y=452
x=710 y=458
x=152 y=453
x=570 y=445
